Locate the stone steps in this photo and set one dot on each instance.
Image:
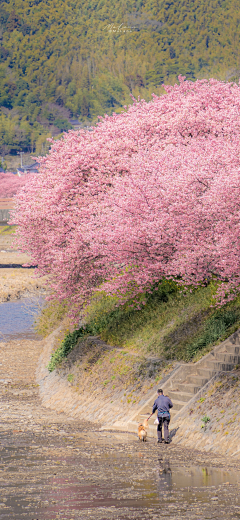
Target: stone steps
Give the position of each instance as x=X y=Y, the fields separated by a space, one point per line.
x=186 y=382
x=185 y=396
x=219 y=366
x=197 y=380
x=232 y=349
x=189 y=388
x=228 y=358
x=177 y=404
x=207 y=372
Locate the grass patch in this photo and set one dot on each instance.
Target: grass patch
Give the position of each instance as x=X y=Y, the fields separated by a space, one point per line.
x=215 y=328
x=52 y=315
x=173 y=323
x=7 y=230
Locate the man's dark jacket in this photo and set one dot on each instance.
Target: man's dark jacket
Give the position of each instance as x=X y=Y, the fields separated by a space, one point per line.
x=162 y=405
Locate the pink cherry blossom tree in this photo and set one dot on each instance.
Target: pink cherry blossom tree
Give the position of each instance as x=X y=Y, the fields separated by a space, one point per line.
x=148 y=193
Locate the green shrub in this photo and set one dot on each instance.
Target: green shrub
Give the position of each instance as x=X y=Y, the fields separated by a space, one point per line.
x=214 y=328
x=205 y=421
x=67 y=345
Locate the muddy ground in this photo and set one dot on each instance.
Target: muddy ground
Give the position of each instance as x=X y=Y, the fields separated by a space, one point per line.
x=55 y=467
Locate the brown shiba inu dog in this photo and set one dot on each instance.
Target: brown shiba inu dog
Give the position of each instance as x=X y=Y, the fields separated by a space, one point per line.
x=142 y=431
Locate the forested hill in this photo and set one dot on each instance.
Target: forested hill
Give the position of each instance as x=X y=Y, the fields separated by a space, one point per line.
x=62 y=59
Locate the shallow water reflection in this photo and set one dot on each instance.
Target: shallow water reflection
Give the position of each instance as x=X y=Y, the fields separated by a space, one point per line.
x=43 y=484
x=194 y=476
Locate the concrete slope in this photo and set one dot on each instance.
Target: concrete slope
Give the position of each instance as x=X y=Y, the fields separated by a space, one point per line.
x=98 y=403
x=185 y=382
x=110 y=407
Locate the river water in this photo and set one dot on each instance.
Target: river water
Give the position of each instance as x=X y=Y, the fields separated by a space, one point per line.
x=54 y=467
x=17 y=318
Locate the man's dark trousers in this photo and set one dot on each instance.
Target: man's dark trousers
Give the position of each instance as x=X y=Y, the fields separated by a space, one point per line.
x=163 y=421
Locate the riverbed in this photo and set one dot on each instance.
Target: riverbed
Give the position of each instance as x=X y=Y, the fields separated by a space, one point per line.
x=77 y=473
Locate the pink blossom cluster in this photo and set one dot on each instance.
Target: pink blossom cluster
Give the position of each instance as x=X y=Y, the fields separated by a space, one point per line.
x=10 y=184
x=149 y=193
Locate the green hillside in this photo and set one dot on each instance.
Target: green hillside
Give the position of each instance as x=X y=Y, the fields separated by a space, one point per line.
x=62 y=60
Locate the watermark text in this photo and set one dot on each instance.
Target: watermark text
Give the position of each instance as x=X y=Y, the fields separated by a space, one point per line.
x=111 y=27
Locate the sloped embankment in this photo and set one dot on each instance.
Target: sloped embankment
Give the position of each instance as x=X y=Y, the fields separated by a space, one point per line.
x=211 y=421
x=102 y=383
x=106 y=384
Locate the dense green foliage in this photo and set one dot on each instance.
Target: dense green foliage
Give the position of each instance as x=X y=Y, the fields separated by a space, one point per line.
x=173 y=324
x=60 y=60
x=67 y=345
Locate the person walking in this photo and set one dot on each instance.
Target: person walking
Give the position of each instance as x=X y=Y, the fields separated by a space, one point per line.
x=162 y=404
